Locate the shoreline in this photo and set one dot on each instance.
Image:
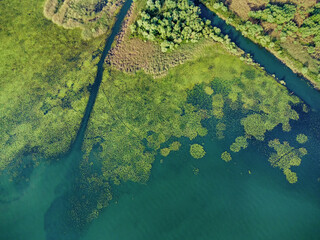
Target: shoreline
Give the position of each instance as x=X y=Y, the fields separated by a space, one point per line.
x=288 y=62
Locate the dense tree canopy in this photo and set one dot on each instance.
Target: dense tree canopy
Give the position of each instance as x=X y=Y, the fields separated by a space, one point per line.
x=172 y=22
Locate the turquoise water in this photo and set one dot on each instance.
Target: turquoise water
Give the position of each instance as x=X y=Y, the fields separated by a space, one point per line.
x=243 y=199
x=223 y=201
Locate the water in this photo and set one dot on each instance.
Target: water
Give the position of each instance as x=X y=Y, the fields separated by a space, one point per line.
x=224 y=201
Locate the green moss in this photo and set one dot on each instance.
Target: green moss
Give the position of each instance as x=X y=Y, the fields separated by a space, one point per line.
x=225 y=156
x=197 y=151
x=301 y=138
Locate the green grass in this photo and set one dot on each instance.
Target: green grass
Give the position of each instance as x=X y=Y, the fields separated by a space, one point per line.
x=45 y=71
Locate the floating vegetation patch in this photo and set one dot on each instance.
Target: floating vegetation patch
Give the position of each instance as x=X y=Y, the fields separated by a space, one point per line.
x=240 y=143
x=197 y=151
x=225 y=156
x=286 y=157
x=94 y=17
x=136 y=116
x=175 y=146
x=301 y=138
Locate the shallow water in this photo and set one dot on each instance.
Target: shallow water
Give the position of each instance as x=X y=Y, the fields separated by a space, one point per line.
x=223 y=201
x=243 y=199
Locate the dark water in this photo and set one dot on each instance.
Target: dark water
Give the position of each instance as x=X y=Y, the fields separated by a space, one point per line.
x=243 y=199
x=272 y=65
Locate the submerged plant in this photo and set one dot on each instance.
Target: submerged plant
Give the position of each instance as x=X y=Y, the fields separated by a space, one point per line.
x=286 y=157
x=240 y=142
x=301 y=138
x=225 y=156
x=197 y=151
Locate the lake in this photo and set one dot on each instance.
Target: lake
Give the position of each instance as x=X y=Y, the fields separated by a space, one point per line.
x=185 y=198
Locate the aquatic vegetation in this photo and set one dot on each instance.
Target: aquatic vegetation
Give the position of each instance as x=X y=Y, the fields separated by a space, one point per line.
x=175 y=146
x=220 y=127
x=301 y=138
x=135 y=108
x=94 y=17
x=196 y=171
x=240 y=142
x=254 y=125
x=165 y=151
x=286 y=157
x=197 y=151
x=225 y=156
x=217 y=106
x=45 y=76
x=208 y=90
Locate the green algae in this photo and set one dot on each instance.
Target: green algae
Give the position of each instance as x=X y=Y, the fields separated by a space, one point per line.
x=286 y=157
x=301 y=138
x=225 y=156
x=197 y=151
x=240 y=143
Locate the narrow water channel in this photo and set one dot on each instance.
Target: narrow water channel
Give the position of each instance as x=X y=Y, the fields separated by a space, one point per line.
x=271 y=64
x=95 y=87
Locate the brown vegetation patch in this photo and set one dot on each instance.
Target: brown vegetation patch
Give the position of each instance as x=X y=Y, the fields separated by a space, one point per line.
x=133 y=54
x=300 y=53
x=94 y=17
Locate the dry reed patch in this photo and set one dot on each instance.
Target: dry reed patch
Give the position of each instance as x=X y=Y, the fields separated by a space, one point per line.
x=134 y=54
x=300 y=53
x=94 y=17
x=243 y=7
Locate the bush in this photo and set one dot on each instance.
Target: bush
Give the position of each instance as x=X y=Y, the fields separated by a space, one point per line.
x=171 y=23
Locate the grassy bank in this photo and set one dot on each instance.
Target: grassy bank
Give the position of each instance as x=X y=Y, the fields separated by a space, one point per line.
x=287 y=37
